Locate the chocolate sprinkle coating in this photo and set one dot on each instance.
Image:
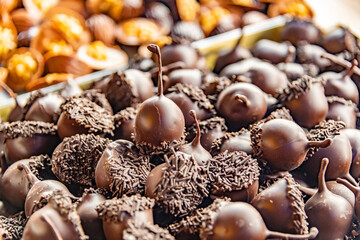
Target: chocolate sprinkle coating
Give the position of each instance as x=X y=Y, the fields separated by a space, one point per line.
x=212 y=86
x=74 y=160
x=41 y=168
x=145 y=231
x=217 y=143
x=233 y=171
x=343 y=101
x=125 y=115
x=13 y=226
x=96 y=96
x=297 y=88
x=206 y=126
x=26 y=129
x=201 y=221
x=182 y=186
x=325 y=129
x=89 y=115
x=195 y=94
x=128 y=173
x=112 y=210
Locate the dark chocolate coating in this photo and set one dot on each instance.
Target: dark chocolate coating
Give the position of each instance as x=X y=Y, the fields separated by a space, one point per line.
x=15 y=185
x=341 y=190
x=304 y=111
x=25 y=147
x=311 y=54
x=69 y=127
x=208 y=137
x=45 y=109
x=125 y=130
x=340 y=112
x=240 y=114
x=180 y=53
x=339 y=155
x=226 y=58
x=243 y=195
x=271 y=51
x=335 y=41
x=267 y=77
x=293 y=71
x=153 y=180
x=158 y=120
x=239 y=68
x=90 y=221
x=354 y=138
x=188 y=76
x=300 y=30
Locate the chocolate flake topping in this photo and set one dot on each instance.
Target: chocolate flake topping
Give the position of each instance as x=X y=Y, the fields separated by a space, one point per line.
x=75 y=159
x=201 y=221
x=195 y=94
x=12 y=227
x=182 y=185
x=206 y=126
x=113 y=210
x=89 y=115
x=297 y=204
x=233 y=171
x=145 y=231
x=26 y=129
x=297 y=88
x=128 y=172
x=124 y=115
x=325 y=129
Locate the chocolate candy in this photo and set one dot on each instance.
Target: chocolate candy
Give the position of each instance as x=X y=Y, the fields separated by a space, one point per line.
x=233 y=141
x=75 y=158
x=124 y=123
x=185 y=76
x=140 y=231
x=354 y=137
x=273 y=52
x=81 y=116
x=342 y=110
x=299 y=30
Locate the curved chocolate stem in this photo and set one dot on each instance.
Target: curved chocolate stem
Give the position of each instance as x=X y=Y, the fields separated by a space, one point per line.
x=311 y=235
x=322 y=144
x=156 y=49
x=307 y=190
x=196 y=140
x=168 y=68
x=53 y=227
x=339 y=61
x=290 y=54
x=29 y=175
x=242 y=99
x=351 y=179
x=354 y=189
x=351 y=70
x=321 y=177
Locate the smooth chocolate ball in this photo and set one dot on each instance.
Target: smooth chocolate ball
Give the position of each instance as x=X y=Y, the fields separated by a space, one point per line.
x=299 y=30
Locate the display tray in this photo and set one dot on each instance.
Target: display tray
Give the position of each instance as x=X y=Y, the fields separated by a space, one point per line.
x=209 y=47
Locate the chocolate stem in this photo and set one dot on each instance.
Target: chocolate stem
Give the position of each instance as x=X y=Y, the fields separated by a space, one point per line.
x=339 y=61
x=168 y=68
x=311 y=235
x=156 y=49
x=242 y=99
x=351 y=70
x=347 y=184
x=307 y=190
x=53 y=227
x=290 y=54
x=196 y=140
x=321 y=177
x=322 y=144
x=29 y=175
x=351 y=179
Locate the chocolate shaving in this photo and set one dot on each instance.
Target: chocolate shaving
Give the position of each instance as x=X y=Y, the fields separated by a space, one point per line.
x=195 y=94
x=233 y=171
x=145 y=231
x=89 y=115
x=12 y=227
x=75 y=159
x=96 y=96
x=26 y=129
x=128 y=171
x=124 y=115
x=113 y=210
x=325 y=129
x=119 y=92
x=218 y=143
x=199 y=222
x=182 y=186
x=297 y=88
x=206 y=126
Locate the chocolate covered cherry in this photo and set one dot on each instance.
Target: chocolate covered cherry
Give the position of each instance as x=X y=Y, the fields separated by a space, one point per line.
x=283 y=144
x=298 y=30
x=354 y=138
x=241 y=104
x=241 y=221
x=274 y=52
x=159 y=121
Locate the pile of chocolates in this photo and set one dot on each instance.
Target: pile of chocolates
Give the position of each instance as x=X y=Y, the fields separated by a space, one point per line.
x=44 y=42
x=263 y=147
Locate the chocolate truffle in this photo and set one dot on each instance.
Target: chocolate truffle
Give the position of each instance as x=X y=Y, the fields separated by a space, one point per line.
x=273 y=52
x=312 y=54
x=342 y=110
x=116 y=213
x=122 y=169
x=75 y=158
x=232 y=141
x=124 y=123
x=189 y=97
x=95 y=95
x=354 y=138
x=180 y=52
x=81 y=116
x=185 y=76
x=178 y=185
x=298 y=30
x=28 y=138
